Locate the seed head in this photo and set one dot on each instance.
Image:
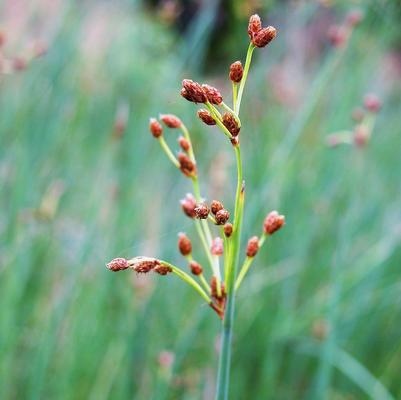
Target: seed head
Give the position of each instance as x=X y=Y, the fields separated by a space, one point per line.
x=155 y=128
x=212 y=94
x=187 y=166
x=184 y=244
x=228 y=229
x=222 y=216
x=142 y=265
x=253 y=246
x=372 y=103
x=206 y=117
x=217 y=246
x=192 y=91
x=188 y=205
x=171 y=120
x=254 y=25
x=236 y=71
x=184 y=144
x=202 y=211
x=264 y=36
x=118 y=264
x=216 y=206
x=273 y=222
x=195 y=267
x=231 y=124
x=162 y=269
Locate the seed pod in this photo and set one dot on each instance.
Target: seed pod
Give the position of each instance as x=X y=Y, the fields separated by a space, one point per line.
x=212 y=94
x=155 y=128
x=273 y=222
x=184 y=144
x=254 y=25
x=118 y=264
x=187 y=166
x=163 y=269
x=372 y=103
x=195 y=267
x=217 y=248
x=264 y=36
x=231 y=124
x=253 y=246
x=192 y=91
x=206 y=117
x=202 y=211
x=184 y=244
x=222 y=216
x=188 y=205
x=228 y=229
x=142 y=265
x=236 y=71
x=216 y=206
x=171 y=120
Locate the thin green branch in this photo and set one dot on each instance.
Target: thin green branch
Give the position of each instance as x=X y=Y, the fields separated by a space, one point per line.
x=244 y=76
x=168 y=151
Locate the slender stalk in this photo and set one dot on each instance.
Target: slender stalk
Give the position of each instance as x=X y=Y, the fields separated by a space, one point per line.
x=244 y=76
x=169 y=153
x=218 y=120
x=235 y=93
x=188 y=137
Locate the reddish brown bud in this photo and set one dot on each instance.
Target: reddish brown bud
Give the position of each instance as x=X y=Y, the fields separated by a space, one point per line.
x=222 y=216
x=372 y=103
x=195 y=267
x=118 y=264
x=264 y=36
x=187 y=166
x=171 y=120
x=231 y=124
x=212 y=94
x=202 y=211
x=184 y=244
x=273 y=222
x=184 y=143
x=253 y=246
x=206 y=117
x=216 y=206
x=217 y=246
x=228 y=229
x=354 y=17
x=155 y=128
x=213 y=289
x=142 y=265
x=338 y=35
x=361 y=135
x=254 y=25
x=192 y=91
x=188 y=205
x=163 y=269
x=236 y=71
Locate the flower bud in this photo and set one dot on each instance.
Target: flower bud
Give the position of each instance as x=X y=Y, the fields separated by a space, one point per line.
x=273 y=222
x=202 y=211
x=264 y=36
x=162 y=269
x=187 y=166
x=155 y=128
x=217 y=246
x=188 y=205
x=171 y=120
x=192 y=91
x=184 y=143
x=216 y=206
x=222 y=216
x=236 y=71
x=195 y=267
x=206 y=117
x=253 y=246
x=213 y=95
x=142 y=265
x=254 y=25
x=118 y=264
x=228 y=229
x=372 y=103
x=231 y=124
x=361 y=135
x=184 y=244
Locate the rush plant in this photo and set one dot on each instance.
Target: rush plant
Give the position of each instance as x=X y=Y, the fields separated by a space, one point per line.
x=219 y=233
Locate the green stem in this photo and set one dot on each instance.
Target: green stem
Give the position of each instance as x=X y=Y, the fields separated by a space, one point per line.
x=235 y=93
x=244 y=77
x=218 y=120
x=188 y=137
x=169 y=153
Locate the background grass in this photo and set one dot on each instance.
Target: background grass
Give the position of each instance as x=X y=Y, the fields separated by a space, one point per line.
x=318 y=317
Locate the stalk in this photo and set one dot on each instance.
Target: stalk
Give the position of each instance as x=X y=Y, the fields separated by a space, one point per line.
x=248 y=60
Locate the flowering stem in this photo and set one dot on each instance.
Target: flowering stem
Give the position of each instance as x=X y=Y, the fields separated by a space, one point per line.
x=188 y=137
x=218 y=120
x=244 y=76
x=235 y=93
x=169 y=153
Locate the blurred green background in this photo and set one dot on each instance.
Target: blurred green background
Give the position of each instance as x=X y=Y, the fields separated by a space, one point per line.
x=82 y=181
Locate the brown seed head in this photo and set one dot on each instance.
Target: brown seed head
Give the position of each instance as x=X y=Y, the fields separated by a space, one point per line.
x=202 y=211
x=206 y=117
x=155 y=128
x=184 y=244
x=231 y=124
x=264 y=36
x=188 y=205
x=162 y=269
x=372 y=103
x=228 y=229
x=142 y=265
x=212 y=94
x=195 y=267
x=187 y=166
x=192 y=91
x=253 y=246
x=222 y=216
x=118 y=264
x=217 y=246
x=273 y=222
x=254 y=25
x=236 y=71
x=216 y=206
x=184 y=144
x=171 y=120
x=354 y=18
